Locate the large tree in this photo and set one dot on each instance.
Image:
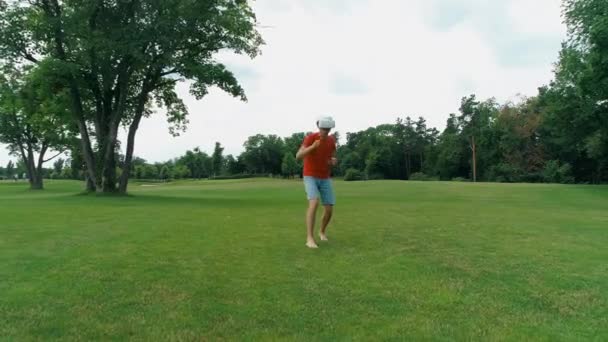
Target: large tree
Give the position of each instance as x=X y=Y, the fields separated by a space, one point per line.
x=32 y=120
x=476 y=119
x=263 y=154
x=217 y=160
x=10 y=169
x=292 y=145
x=289 y=167
x=576 y=103
x=116 y=56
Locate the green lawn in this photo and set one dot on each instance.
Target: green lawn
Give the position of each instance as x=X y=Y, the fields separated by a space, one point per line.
x=225 y=260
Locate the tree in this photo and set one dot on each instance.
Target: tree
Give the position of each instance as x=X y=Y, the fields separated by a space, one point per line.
x=21 y=169
x=475 y=121
x=58 y=165
x=292 y=145
x=263 y=154
x=234 y=166
x=31 y=119
x=165 y=172
x=197 y=162
x=10 y=169
x=217 y=159
x=146 y=171
x=449 y=152
x=66 y=173
x=180 y=172
x=58 y=168
x=289 y=167
x=150 y=172
x=253 y=156
x=114 y=57
x=405 y=135
x=349 y=159
x=420 y=140
x=576 y=102
x=519 y=149
x=470 y=127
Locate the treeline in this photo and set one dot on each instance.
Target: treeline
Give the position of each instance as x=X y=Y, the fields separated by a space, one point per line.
x=534 y=140
x=73 y=103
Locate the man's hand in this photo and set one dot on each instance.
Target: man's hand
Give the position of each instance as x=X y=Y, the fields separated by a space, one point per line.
x=303 y=151
x=333 y=161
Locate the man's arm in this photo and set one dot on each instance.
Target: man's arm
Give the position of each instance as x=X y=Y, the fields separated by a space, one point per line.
x=304 y=151
x=333 y=161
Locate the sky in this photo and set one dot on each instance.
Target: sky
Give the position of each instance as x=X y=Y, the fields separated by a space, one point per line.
x=366 y=62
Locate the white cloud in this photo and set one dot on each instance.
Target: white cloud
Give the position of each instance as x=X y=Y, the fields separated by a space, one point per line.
x=536 y=17
x=401 y=62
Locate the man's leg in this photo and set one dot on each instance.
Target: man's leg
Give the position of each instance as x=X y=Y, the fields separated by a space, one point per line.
x=312 y=193
x=311 y=215
x=327 y=213
x=326 y=191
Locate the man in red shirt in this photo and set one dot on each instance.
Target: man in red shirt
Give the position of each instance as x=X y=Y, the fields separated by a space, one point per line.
x=319 y=153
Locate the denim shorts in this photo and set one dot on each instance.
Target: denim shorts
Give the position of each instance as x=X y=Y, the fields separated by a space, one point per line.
x=320 y=187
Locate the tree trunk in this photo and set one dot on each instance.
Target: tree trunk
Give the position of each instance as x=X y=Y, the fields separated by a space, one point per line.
x=34 y=177
x=126 y=170
x=36 y=182
x=30 y=168
x=88 y=154
x=109 y=165
x=108 y=172
x=90 y=185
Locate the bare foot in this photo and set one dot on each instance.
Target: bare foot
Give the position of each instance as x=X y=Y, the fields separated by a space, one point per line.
x=323 y=237
x=311 y=244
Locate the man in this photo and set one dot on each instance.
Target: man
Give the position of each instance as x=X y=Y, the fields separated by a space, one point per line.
x=318 y=151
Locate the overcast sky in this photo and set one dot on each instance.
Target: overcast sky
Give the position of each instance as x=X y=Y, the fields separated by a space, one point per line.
x=366 y=63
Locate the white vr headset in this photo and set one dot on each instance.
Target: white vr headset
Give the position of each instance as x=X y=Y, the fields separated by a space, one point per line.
x=326 y=122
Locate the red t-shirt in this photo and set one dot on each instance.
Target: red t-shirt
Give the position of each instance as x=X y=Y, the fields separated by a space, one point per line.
x=317 y=163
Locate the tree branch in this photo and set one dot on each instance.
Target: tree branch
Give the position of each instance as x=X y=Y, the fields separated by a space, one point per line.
x=45 y=146
x=92 y=76
x=30 y=57
x=169 y=72
x=53 y=157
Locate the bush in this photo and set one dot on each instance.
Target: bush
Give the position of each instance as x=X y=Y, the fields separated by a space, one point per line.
x=505 y=173
x=418 y=176
x=532 y=177
x=556 y=173
x=375 y=176
x=421 y=176
x=354 y=175
x=459 y=179
x=55 y=175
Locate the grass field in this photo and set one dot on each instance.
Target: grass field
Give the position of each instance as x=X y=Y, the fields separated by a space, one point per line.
x=225 y=260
